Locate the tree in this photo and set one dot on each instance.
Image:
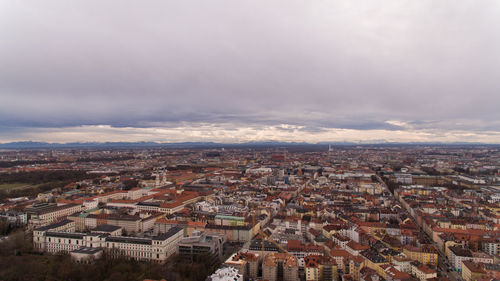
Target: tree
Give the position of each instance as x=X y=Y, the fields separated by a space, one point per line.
x=131 y=183
x=4 y=226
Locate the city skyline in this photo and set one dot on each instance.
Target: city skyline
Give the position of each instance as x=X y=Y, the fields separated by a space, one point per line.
x=291 y=71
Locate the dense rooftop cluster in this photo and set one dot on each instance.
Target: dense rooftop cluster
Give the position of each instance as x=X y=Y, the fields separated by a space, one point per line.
x=348 y=213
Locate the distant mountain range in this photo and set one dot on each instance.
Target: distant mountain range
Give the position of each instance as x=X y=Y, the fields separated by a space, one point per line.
x=47 y=145
x=32 y=144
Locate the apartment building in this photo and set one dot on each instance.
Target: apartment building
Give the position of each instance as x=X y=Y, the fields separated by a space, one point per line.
x=472 y=271
x=423 y=272
x=492 y=270
x=457 y=255
x=280 y=266
x=491 y=245
x=340 y=240
x=300 y=250
x=322 y=268
x=246 y=263
x=424 y=254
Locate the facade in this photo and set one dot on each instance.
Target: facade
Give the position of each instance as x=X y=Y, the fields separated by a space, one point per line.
x=425 y=255
x=457 y=255
x=300 y=250
x=39 y=233
x=246 y=263
x=491 y=246
x=202 y=243
x=340 y=240
x=280 y=266
x=14 y=217
x=492 y=270
x=320 y=268
x=480 y=257
x=232 y=233
x=129 y=224
x=423 y=272
x=46 y=214
x=108 y=229
x=157 y=249
x=403 y=263
x=472 y=271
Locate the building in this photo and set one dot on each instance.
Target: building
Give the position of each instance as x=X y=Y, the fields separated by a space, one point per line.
x=202 y=243
x=457 y=255
x=129 y=224
x=158 y=248
x=38 y=233
x=492 y=271
x=45 y=214
x=112 y=230
x=480 y=257
x=246 y=263
x=403 y=263
x=491 y=245
x=424 y=254
x=280 y=266
x=232 y=233
x=300 y=250
x=226 y=274
x=472 y=271
x=423 y=272
x=319 y=267
x=13 y=217
x=340 y=240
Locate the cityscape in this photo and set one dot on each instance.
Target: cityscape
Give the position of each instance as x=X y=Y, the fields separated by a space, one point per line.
x=277 y=140
x=301 y=212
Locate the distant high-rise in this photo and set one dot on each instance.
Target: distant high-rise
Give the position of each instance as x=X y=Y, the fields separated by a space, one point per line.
x=330 y=148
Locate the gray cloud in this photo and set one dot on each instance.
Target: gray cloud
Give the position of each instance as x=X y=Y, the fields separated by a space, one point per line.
x=429 y=65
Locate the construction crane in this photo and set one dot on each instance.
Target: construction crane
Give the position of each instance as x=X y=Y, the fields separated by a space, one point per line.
x=265 y=237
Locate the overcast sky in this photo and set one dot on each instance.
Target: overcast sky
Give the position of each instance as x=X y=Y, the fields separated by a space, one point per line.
x=233 y=71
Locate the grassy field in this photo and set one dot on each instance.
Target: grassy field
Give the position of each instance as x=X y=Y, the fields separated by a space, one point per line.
x=12 y=186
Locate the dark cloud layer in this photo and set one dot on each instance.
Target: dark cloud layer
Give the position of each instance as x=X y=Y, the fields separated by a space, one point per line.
x=363 y=65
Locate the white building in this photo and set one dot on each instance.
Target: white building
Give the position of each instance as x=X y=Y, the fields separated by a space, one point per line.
x=158 y=248
x=226 y=274
x=458 y=255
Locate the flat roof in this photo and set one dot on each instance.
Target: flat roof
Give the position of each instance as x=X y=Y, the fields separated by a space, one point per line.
x=130 y=240
x=54 y=225
x=72 y=235
x=105 y=228
x=172 y=231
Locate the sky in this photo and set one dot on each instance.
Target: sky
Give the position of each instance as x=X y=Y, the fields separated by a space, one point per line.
x=236 y=71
